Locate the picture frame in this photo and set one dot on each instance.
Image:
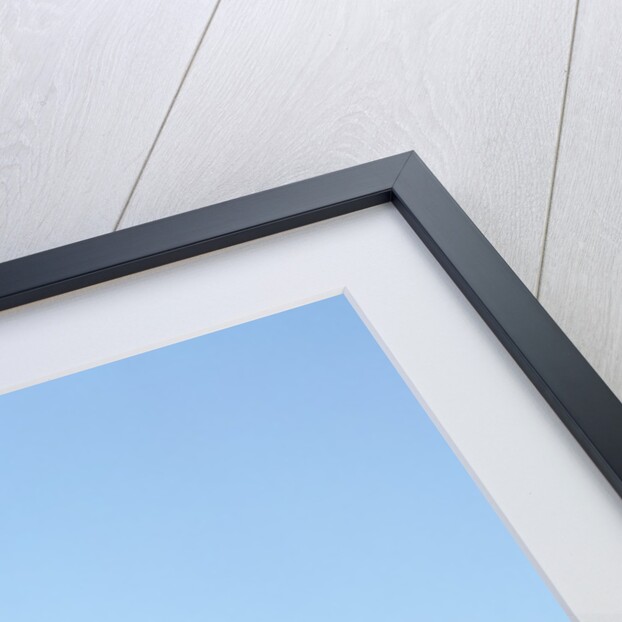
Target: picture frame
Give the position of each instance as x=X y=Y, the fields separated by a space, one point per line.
x=575 y=392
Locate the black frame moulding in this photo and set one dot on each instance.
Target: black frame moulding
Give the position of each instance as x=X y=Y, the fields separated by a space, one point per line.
x=581 y=399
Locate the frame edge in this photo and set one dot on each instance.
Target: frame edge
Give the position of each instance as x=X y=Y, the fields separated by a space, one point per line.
x=571 y=387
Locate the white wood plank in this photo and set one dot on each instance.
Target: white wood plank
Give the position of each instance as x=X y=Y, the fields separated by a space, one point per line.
x=84 y=87
x=281 y=91
x=582 y=275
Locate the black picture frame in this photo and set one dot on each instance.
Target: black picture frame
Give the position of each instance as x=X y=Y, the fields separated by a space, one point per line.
x=572 y=388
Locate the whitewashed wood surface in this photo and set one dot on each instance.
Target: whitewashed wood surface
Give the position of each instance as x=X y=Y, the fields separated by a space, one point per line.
x=84 y=87
x=281 y=91
x=582 y=275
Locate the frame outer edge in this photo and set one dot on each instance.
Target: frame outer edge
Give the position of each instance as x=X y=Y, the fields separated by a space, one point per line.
x=573 y=389
x=120 y=253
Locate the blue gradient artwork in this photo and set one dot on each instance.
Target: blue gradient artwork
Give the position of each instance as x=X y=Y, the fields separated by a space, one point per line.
x=276 y=471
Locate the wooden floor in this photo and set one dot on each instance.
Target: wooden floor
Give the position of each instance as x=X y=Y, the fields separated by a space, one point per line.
x=113 y=114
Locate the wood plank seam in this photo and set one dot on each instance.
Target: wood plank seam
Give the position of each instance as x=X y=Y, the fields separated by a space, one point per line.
x=547 y=217
x=167 y=115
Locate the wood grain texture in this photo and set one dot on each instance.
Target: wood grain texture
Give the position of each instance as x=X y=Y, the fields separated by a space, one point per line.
x=84 y=87
x=582 y=275
x=282 y=91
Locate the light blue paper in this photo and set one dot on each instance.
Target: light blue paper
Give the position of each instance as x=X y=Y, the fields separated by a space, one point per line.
x=277 y=471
